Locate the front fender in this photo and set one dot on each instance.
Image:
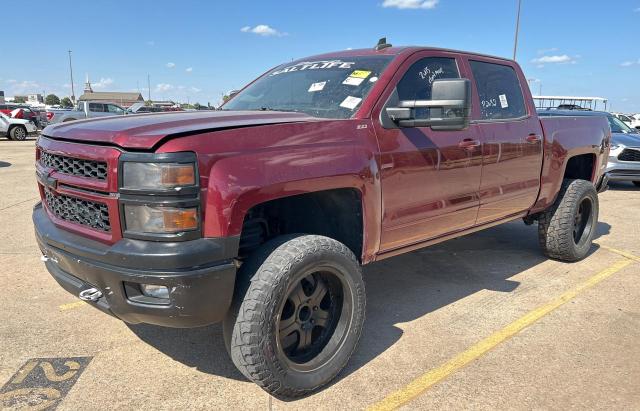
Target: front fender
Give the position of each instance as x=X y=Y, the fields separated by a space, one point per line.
x=240 y=182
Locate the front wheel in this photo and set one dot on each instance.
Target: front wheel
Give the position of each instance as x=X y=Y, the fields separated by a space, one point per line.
x=297 y=314
x=566 y=229
x=18 y=133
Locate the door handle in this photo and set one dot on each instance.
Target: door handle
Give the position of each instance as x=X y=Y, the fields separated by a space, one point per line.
x=469 y=144
x=533 y=138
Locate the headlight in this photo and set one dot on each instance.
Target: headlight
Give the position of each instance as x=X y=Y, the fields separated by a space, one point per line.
x=158 y=176
x=158 y=220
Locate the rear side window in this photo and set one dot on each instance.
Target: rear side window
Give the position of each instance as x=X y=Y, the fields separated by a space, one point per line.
x=499 y=91
x=96 y=108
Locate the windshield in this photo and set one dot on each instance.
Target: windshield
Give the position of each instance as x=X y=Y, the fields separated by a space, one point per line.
x=319 y=88
x=618 y=126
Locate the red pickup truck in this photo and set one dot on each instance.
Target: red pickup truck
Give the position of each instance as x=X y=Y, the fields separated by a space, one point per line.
x=261 y=214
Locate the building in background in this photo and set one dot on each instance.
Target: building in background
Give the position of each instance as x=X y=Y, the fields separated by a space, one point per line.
x=2 y=97
x=123 y=99
x=35 y=99
x=164 y=103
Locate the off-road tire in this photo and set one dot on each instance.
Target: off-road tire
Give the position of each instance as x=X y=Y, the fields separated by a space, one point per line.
x=556 y=224
x=18 y=133
x=251 y=326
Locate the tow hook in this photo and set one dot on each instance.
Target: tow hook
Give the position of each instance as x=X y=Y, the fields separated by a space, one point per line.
x=90 y=294
x=44 y=258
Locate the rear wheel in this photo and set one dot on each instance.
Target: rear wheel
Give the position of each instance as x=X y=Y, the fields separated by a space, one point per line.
x=297 y=315
x=566 y=229
x=636 y=183
x=18 y=133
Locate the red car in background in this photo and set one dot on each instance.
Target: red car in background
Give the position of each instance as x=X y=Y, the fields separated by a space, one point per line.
x=38 y=117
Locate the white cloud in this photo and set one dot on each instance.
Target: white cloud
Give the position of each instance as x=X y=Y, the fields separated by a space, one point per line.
x=163 y=87
x=104 y=82
x=195 y=89
x=410 y=4
x=262 y=30
x=630 y=63
x=171 y=65
x=151 y=43
x=552 y=59
x=555 y=59
x=189 y=69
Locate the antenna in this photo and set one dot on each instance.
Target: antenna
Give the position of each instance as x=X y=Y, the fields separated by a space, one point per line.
x=382 y=44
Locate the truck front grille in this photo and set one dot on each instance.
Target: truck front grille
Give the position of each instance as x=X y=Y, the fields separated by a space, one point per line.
x=629 y=155
x=85 y=212
x=75 y=166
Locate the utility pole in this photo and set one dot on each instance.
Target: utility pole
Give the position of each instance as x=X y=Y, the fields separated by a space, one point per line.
x=515 y=43
x=73 y=93
x=149 y=87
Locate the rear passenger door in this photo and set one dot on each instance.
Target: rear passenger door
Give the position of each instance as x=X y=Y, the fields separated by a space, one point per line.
x=511 y=137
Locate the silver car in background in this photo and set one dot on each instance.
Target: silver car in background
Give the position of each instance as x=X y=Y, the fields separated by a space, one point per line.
x=88 y=109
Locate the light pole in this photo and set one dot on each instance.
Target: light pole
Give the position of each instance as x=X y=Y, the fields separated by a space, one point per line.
x=149 y=87
x=515 y=43
x=73 y=93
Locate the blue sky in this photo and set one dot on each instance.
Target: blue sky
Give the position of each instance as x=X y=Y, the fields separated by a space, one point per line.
x=198 y=50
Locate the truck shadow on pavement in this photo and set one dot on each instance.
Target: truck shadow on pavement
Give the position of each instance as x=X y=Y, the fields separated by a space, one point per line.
x=399 y=290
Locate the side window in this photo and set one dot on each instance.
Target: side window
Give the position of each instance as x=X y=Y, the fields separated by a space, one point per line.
x=416 y=82
x=111 y=108
x=96 y=107
x=499 y=91
x=81 y=105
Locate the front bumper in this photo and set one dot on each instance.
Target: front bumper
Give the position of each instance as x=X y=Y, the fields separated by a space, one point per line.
x=200 y=274
x=623 y=170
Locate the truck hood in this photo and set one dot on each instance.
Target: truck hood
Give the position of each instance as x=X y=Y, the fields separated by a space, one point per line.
x=145 y=131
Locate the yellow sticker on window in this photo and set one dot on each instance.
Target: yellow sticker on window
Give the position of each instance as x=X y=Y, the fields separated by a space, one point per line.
x=360 y=74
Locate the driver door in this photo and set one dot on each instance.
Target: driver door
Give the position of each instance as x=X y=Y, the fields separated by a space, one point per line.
x=430 y=179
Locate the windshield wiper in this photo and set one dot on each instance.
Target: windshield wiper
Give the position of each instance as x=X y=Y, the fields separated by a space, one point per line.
x=278 y=109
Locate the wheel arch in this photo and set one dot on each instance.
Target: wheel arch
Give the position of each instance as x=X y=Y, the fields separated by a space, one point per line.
x=231 y=198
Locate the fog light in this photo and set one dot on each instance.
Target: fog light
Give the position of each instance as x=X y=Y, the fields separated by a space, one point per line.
x=155 y=291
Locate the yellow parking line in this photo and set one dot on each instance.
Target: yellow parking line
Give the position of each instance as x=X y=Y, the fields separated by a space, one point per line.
x=426 y=381
x=71 y=306
x=621 y=252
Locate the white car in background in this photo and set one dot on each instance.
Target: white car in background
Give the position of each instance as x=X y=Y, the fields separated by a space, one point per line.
x=16 y=128
x=628 y=120
x=635 y=121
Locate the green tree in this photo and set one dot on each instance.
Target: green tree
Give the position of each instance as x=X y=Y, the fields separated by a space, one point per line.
x=52 y=100
x=20 y=99
x=197 y=106
x=225 y=98
x=66 y=102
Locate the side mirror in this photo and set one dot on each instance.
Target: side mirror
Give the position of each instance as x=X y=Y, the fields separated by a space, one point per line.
x=449 y=108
